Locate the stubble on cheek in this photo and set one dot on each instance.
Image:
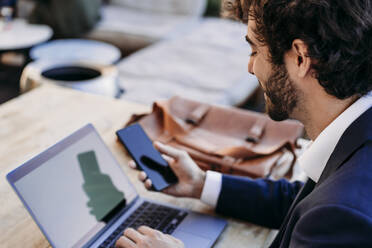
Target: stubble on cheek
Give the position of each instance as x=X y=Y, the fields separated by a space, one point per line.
x=280 y=94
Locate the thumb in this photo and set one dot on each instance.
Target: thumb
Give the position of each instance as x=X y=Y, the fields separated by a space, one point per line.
x=171 y=161
x=168 y=150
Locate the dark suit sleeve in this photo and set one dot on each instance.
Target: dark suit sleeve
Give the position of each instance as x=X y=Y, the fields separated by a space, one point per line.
x=260 y=201
x=333 y=226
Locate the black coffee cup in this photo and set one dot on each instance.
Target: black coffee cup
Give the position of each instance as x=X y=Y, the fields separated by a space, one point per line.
x=71 y=73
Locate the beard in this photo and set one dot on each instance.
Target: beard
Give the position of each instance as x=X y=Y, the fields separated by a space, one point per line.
x=281 y=94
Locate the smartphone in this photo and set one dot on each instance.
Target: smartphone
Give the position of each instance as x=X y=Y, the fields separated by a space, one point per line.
x=147 y=158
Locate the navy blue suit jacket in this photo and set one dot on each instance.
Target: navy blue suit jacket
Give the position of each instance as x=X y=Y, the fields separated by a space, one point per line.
x=335 y=212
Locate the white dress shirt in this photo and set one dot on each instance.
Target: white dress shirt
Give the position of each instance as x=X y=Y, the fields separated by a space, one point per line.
x=313 y=160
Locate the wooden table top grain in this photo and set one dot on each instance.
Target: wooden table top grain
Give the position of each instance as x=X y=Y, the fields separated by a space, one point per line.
x=40 y=118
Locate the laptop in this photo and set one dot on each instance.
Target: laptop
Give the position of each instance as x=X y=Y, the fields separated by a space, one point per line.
x=80 y=197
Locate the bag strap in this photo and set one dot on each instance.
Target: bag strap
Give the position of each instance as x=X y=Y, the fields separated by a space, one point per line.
x=256 y=131
x=196 y=116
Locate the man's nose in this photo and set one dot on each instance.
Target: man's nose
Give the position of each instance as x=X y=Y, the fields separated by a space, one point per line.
x=250 y=66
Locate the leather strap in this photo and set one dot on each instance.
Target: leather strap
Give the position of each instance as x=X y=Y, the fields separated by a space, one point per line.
x=197 y=114
x=256 y=131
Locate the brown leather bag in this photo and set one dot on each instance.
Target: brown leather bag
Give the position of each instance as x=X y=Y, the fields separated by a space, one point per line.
x=224 y=139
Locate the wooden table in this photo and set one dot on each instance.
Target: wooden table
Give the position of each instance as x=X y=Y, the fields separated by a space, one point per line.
x=36 y=120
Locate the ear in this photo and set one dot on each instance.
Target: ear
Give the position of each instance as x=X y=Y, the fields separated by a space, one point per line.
x=300 y=55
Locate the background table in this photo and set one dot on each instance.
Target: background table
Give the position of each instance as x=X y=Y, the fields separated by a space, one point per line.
x=36 y=120
x=21 y=35
x=77 y=50
x=15 y=41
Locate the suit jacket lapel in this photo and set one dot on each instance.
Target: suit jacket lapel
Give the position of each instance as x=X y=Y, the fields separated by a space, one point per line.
x=305 y=190
x=355 y=135
x=353 y=138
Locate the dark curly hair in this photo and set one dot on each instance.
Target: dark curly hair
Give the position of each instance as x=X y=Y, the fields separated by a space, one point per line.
x=338 y=34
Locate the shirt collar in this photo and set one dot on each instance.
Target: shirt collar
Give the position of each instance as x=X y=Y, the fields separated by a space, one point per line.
x=315 y=158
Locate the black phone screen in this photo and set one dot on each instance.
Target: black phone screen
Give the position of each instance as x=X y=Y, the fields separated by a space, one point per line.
x=147 y=158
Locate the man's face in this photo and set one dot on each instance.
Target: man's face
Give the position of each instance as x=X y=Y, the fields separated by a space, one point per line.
x=281 y=95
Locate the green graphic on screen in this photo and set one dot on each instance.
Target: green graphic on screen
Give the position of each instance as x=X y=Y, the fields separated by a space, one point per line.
x=104 y=197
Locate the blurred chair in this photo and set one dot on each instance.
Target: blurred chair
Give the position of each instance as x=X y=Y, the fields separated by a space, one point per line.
x=135 y=24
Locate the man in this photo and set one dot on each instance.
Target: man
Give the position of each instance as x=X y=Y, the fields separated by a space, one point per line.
x=314 y=62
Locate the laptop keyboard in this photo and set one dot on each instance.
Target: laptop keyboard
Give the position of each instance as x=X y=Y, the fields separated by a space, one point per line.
x=159 y=217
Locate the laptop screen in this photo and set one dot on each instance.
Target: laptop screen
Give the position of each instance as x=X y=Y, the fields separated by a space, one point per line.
x=74 y=188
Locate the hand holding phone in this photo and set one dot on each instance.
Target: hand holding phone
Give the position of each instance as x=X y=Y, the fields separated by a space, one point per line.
x=147 y=158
